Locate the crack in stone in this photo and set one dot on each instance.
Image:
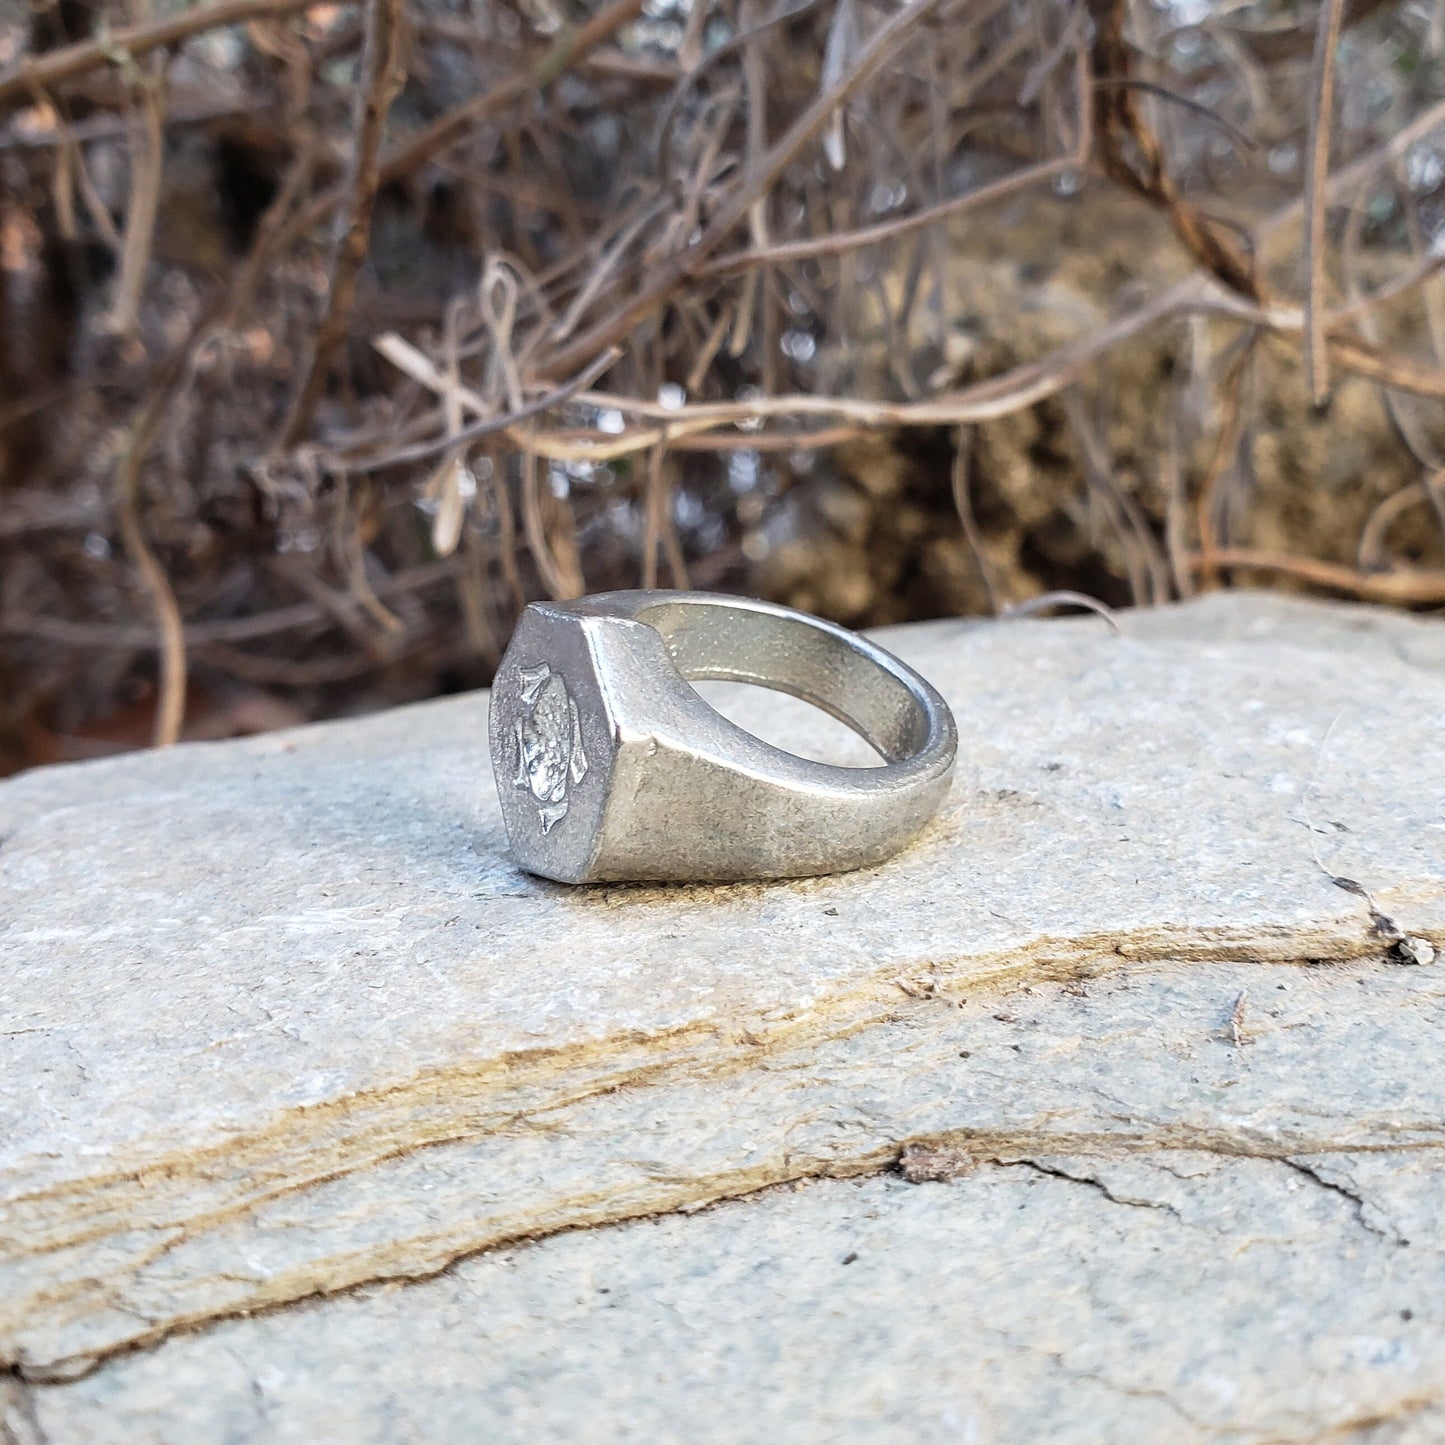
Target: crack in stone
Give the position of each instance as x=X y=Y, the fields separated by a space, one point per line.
x=843 y=1015
x=996 y=1149
x=1359 y=1201
x=1060 y=1362
x=421 y=1257
x=1232 y=1432
x=1352 y=1428
x=1091 y=1182
x=1136 y=1392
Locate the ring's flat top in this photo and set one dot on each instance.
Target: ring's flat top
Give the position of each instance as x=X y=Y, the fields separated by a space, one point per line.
x=612 y=766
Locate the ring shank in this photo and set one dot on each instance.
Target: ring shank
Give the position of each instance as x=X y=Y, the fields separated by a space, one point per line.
x=718 y=639
x=735 y=644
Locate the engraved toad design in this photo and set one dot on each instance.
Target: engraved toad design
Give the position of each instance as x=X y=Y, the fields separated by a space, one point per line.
x=549 y=743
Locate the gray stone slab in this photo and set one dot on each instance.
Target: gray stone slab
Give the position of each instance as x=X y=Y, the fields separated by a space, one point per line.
x=287 y=1020
x=1137 y=1292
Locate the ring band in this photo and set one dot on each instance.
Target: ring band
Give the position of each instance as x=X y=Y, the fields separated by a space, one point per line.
x=610 y=767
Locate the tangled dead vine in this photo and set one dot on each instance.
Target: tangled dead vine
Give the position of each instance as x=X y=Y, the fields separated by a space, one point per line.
x=333 y=332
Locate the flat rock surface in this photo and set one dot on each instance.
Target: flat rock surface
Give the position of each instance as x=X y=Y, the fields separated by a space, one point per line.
x=1179 y=1295
x=289 y=1021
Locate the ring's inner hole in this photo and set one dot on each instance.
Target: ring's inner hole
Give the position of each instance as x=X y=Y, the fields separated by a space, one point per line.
x=791 y=724
x=752 y=651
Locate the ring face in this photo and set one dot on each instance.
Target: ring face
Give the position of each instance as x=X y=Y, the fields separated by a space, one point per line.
x=610 y=766
x=553 y=744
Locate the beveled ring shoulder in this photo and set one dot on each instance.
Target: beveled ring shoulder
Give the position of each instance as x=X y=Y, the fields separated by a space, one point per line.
x=610 y=766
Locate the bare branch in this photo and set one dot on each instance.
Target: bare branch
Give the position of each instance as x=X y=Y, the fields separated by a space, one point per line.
x=1327 y=42
x=147 y=129
x=382 y=75
x=881 y=47
x=1402 y=587
x=43 y=72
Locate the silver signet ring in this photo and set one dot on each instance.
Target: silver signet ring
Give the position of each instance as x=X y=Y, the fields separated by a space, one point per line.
x=611 y=767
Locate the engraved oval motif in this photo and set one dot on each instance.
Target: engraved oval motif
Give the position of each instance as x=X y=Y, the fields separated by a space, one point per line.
x=548 y=737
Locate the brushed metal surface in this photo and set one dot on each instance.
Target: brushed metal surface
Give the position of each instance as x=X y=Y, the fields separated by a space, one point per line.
x=611 y=767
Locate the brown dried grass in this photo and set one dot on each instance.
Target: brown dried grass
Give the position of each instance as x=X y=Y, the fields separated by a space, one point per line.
x=334 y=332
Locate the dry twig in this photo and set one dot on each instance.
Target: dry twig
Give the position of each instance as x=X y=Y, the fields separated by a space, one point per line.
x=1316 y=353
x=702 y=264
x=1403 y=587
x=43 y=72
x=147 y=129
x=171 y=707
x=382 y=74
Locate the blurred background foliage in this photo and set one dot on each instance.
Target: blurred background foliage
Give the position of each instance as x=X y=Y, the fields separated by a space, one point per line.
x=331 y=334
